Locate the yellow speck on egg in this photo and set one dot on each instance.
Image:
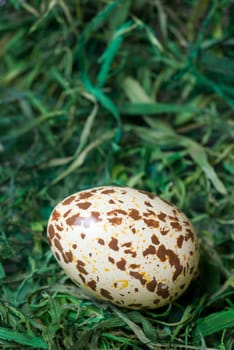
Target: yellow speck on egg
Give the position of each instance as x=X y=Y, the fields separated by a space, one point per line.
x=121 y=284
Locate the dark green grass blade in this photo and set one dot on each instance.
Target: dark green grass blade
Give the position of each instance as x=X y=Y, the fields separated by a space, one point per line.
x=107 y=58
x=23 y=339
x=155 y=108
x=99 y=19
x=104 y=100
x=214 y=323
x=30 y=126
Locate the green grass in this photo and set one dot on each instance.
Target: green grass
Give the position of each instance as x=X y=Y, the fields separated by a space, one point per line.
x=136 y=93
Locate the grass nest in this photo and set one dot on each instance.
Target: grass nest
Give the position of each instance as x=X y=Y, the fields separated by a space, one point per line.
x=130 y=93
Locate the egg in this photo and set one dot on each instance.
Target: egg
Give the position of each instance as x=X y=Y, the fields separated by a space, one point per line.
x=124 y=246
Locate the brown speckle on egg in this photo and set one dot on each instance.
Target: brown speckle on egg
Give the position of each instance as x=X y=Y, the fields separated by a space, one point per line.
x=68 y=256
x=51 y=231
x=133 y=229
x=176 y=226
x=92 y=284
x=149 y=250
x=113 y=244
x=135 y=305
x=115 y=221
x=151 y=286
x=127 y=244
x=117 y=212
x=84 y=205
x=121 y=264
x=55 y=215
x=162 y=290
x=131 y=252
x=85 y=195
x=134 y=214
x=148 y=204
x=109 y=191
x=155 y=240
x=101 y=241
x=164 y=230
x=60 y=228
x=68 y=200
x=111 y=260
x=134 y=266
x=149 y=213
x=58 y=245
x=67 y=213
x=164 y=253
x=156 y=301
x=105 y=293
x=138 y=276
x=80 y=267
x=82 y=278
x=151 y=223
x=162 y=216
x=96 y=215
x=148 y=194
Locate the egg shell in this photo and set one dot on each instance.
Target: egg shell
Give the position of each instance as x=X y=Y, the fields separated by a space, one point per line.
x=125 y=246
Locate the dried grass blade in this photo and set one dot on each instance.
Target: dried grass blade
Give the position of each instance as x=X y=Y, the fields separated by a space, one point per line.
x=82 y=156
x=135 y=328
x=198 y=154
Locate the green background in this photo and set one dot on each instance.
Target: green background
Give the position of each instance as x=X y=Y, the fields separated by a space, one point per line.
x=130 y=93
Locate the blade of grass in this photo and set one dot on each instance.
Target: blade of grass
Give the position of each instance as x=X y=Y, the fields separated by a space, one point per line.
x=148 y=328
x=88 y=124
x=118 y=338
x=214 y=323
x=120 y=15
x=82 y=156
x=162 y=17
x=16 y=133
x=23 y=339
x=155 y=108
x=135 y=92
x=108 y=56
x=217 y=88
x=98 y=20
x=135 y=328
x=198 y=11
x=101 y=97
x=222 y=65
x=199 y=155
x=197 y=152
x=2 y=272
x=150 y=34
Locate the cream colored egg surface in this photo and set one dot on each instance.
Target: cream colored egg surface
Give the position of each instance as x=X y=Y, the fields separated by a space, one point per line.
x=124 y=246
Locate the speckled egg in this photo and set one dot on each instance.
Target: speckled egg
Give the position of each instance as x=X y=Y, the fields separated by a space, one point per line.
x=124 y=246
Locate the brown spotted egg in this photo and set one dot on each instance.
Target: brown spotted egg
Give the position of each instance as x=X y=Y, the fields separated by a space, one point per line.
x=124 y=246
